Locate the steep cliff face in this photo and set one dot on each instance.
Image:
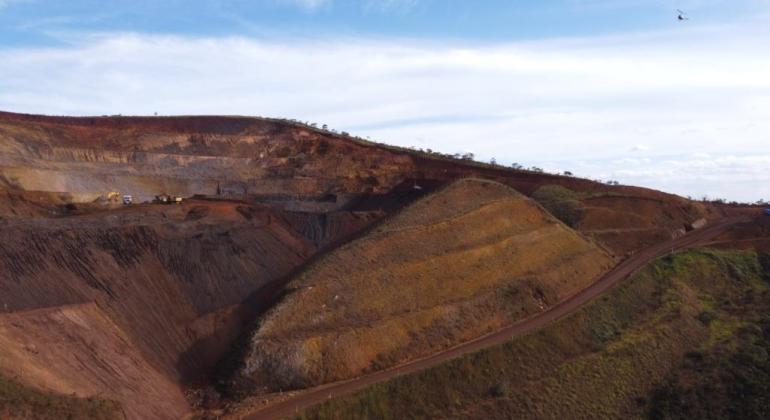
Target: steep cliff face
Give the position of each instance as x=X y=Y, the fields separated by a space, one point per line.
x=186 y=156
x=467 y=260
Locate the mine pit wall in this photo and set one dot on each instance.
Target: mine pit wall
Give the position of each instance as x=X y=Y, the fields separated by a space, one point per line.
x=158 y=284
x=263 y=158
x=325 y=229
x=242 y=158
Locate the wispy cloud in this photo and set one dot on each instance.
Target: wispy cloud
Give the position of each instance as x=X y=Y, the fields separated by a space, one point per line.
x=574 y=104
x=697 y=174
x=6 y=3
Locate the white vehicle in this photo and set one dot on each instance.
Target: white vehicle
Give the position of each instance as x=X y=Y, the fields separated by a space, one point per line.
x=127 y=199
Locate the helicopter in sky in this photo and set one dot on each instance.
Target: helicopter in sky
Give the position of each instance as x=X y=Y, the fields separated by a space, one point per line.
x=682 y=16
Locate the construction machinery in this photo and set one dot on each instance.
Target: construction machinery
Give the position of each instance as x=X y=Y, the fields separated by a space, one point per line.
x=113 y=196
x=168 y=199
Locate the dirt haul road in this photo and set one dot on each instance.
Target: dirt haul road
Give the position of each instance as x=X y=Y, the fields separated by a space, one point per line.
x=311 y=397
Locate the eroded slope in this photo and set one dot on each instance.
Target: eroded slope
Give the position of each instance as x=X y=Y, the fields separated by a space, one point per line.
x=161 y=290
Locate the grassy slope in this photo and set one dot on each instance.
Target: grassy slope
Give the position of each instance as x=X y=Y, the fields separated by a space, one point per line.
x=19 y=402
x=609 y=360
x=452 y=266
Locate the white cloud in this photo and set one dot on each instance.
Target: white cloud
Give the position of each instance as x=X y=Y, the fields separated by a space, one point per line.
x=553 y=104
x=727 y=176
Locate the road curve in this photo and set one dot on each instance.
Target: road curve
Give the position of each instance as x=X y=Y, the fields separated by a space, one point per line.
x=313 y=396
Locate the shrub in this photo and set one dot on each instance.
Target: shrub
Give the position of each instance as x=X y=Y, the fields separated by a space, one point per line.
x=764 y=261
x=502 y=389
x=706 y=317
x=561 y=202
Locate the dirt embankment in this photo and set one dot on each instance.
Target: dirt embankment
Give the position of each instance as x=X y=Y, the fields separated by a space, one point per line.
x=154 y=292
x=629 y=223
x=751 y=235
x=78 y=350
x=452 y=266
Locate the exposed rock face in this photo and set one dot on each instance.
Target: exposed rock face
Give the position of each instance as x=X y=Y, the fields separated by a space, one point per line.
x=186 y=156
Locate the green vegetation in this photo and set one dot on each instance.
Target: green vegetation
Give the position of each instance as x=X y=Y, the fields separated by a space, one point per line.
x=20 y=402
x=650 y=347
x=561 y=202
x=729 y=376
x=764 y=260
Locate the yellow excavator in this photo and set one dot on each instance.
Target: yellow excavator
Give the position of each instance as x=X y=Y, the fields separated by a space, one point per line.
x=113 y=196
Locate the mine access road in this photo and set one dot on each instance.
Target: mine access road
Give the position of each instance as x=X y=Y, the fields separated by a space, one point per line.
x=307 y=398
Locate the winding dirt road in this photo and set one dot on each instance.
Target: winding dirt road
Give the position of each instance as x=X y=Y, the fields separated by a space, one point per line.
x=311 y=397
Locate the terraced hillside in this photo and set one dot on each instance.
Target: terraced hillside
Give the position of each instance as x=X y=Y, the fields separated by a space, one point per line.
x=624 y=220
x=459 y=263
x=185 y=156
x=254 y=158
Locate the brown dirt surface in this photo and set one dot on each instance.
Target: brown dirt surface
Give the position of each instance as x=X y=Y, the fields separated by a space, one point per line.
x=752 y=234
x=166 y=294
x=77 y=350
x=629 y=222
x=467 y=260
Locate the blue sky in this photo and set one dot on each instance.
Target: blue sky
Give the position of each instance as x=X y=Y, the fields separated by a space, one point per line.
x=41 y=22
x=608 y=89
